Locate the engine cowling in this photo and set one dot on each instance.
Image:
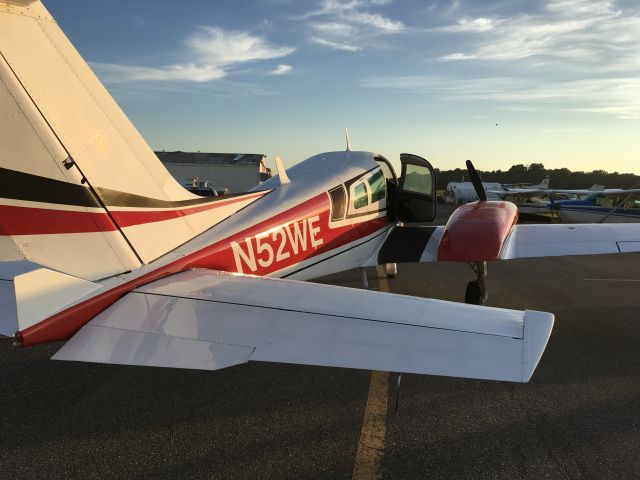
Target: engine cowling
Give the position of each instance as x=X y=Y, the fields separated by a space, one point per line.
x=477 y=231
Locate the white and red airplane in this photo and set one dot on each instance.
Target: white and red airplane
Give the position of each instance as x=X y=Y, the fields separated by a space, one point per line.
x=102 y=248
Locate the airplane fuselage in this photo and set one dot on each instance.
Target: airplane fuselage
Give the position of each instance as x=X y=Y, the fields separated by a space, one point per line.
x=293 y=231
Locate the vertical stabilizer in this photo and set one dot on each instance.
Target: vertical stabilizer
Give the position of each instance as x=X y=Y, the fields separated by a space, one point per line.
x=80 y=190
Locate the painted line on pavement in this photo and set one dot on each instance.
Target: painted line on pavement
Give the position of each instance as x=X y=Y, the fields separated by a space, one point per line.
x=374 y=424
x=611 y=279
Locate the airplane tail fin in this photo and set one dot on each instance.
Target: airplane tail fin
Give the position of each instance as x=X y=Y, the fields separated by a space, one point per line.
x=543 y=184
x=80 y=190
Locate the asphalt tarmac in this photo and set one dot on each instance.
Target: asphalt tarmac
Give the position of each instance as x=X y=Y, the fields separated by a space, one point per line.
x=579 y=417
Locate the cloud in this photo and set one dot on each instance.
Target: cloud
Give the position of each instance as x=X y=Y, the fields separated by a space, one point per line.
x=337 y=45
x=619 y=96
x=281 y=69
x=212 y=52
x=114 y=73
x=479 y=24
x=350 y=25
x=596 y=34
x=334 y=28
x=219 y=47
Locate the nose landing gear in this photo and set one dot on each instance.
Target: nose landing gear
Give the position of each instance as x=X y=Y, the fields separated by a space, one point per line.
x=477 y=292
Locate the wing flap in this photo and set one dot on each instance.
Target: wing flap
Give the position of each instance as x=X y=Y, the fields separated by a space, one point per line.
x=212 y=320
x=102 y=344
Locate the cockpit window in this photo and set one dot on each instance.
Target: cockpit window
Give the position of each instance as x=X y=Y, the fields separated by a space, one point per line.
x=361 y=197
x=338 y=203
x=594 y=196
x=377 y=183
x=386 y=169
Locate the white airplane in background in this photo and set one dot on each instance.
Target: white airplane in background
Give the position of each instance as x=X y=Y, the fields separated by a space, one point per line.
x=103 y=249
x=465 y=192
x=542 y=189
x=543 y=185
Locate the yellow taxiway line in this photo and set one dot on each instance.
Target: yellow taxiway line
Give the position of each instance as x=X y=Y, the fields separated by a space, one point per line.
x=374 y=423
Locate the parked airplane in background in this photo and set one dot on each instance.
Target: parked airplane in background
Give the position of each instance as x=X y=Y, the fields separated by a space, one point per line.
x=607 y=206
x=534 y=199
x=542 y=189
x=544 y=184
x=102 y=248
x=464 y=192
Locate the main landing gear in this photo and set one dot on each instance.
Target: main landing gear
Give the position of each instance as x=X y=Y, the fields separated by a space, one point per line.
x=477 y=292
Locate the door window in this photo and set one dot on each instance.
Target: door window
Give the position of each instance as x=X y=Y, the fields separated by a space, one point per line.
x=416 y=196
x=417 y=179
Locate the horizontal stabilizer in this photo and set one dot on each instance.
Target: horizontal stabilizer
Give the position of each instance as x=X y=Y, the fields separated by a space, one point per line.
x=209 y=320
x=30 y=293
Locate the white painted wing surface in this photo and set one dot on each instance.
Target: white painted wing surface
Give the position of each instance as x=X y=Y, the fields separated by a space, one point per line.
x=209 y=320
x=576 y=239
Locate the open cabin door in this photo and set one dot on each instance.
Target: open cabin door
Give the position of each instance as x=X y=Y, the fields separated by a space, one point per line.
x=416 y=192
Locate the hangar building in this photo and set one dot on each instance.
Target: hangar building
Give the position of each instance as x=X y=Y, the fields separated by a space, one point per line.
x=235 y=172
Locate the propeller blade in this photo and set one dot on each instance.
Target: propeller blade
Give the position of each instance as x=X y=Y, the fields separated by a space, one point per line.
x=477 y=183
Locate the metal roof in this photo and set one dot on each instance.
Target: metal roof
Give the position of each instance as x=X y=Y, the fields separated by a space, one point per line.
x=211 y=158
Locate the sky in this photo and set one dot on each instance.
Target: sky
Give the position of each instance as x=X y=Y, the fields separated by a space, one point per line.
x=504 y=82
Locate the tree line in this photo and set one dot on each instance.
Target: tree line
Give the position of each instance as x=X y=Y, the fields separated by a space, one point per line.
x=534 y=173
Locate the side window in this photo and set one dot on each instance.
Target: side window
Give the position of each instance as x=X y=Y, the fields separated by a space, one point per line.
x=361 y=197
x=378 y=186
x=338 y=203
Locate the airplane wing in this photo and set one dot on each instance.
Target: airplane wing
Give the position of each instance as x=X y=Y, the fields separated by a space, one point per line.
x=618 y=191
x=528 y=241
x=523 y=192
x=517 y=192
x=203 y=319
x=532 y=192
x=478 y=243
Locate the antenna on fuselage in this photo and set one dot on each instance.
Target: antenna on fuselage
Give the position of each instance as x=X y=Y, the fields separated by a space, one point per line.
x=282 y=173
x=346 y=137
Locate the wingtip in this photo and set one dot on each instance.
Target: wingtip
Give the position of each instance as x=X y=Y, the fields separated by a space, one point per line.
x=537 y=330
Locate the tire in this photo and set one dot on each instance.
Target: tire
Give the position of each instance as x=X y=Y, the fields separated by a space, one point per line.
x=475 y=294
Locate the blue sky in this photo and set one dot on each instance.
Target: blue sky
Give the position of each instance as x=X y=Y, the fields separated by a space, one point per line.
x=500 y=82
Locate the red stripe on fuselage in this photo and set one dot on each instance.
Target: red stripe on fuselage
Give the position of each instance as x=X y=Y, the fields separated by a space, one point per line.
x=219 y=256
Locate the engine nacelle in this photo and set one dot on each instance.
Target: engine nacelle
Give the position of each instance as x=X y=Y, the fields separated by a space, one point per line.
x=477 y=231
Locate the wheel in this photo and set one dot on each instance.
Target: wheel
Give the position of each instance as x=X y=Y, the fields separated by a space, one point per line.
x=391 y=269
x=476 y=293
